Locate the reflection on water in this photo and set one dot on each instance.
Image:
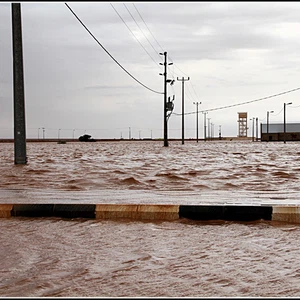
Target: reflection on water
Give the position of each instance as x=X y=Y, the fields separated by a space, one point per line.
x=53 y=257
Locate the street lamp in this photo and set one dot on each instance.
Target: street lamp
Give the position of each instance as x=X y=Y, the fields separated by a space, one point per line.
x=268 y=112
x=284 y=123
x=197 y=103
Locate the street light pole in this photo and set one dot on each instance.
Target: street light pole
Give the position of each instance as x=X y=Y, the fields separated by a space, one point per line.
x=197 y=103
x=256 y=129
x=208 y=129
x=284 y=123
x=268 y=112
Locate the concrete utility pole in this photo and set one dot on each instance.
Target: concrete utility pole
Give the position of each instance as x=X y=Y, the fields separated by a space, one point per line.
x=182 y=110
x=18 y=79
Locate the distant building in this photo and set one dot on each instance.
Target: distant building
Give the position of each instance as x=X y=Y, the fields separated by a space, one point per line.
x=242 y=124
x=275 y=132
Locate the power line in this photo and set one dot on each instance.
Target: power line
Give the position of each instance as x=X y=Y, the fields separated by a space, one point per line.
x=109 y=53
x=141 y=30
x=260 y=99
x=148 y=28
x=174 y=73
x=134 y=35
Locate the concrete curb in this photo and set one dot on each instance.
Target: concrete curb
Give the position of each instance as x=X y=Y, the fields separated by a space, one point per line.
x=290 y=214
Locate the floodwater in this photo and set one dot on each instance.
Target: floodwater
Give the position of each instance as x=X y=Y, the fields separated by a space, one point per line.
x=53 y=257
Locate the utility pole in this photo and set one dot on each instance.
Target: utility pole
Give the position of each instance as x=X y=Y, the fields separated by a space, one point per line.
x=166 y=143
x=182 y=110
x=220 y=135
x=197 y=103
x=256 y=129
x=208 y=128
x=18 y=81
x=205 y=112
x=129 y=134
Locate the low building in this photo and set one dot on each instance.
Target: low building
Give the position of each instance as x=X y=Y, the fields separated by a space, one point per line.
x=275 y=132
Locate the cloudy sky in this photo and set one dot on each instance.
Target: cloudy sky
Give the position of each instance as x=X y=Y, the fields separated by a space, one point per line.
x=233 y=53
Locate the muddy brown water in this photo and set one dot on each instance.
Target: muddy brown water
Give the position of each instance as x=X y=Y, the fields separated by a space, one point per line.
x=54 y=257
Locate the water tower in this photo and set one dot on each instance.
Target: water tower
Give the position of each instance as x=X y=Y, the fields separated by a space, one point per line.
x=242 y=121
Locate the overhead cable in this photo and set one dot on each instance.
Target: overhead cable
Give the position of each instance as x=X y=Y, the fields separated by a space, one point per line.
x=228 y=106
x=109 y=53
x=134 y=35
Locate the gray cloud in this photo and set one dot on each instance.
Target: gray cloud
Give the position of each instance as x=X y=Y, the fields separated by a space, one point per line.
x=233 y=52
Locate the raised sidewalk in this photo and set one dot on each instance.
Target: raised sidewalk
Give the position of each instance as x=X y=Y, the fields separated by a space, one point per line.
x=152 y=205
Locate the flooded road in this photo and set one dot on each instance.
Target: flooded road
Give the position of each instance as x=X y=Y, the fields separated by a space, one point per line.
x=54 y=257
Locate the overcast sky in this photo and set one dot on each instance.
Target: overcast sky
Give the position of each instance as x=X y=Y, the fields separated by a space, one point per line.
x=233 y=52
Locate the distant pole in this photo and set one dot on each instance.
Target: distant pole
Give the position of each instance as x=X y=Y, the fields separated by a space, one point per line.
x=256 y=129
x=43 y=133
x=253 y=129
x=220 y=135
x=197 y=103
x=182 y=109
x=151 y=133
x=268 y=112
x=58 y=133
x=204 y=136
x=18 y=82
x=38 y=133
x=129 y=135
x=208 y=129
x=73 y=133
x=284 y=122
